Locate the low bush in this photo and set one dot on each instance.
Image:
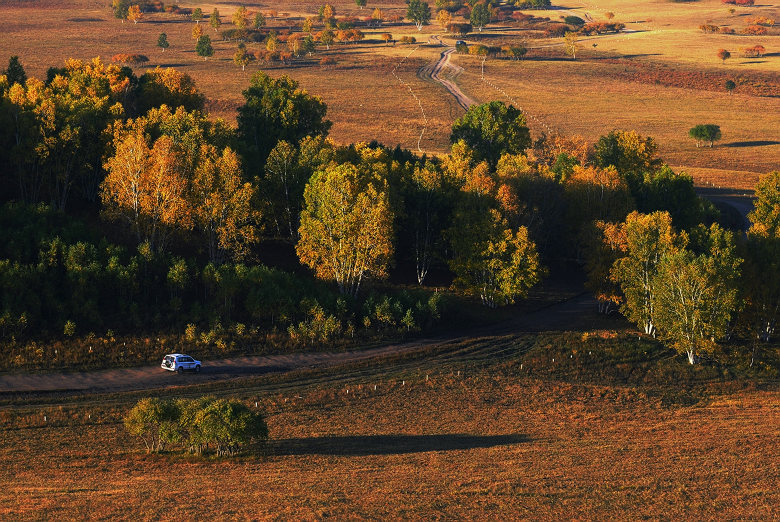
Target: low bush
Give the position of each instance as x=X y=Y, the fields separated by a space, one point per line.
x=754 y=30
x=602 y=28
x=129 y=58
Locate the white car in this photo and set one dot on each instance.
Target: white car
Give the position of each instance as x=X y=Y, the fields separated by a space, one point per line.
x=178 y=362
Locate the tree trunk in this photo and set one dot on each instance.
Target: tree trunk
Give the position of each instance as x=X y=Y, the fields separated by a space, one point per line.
x=691 y=357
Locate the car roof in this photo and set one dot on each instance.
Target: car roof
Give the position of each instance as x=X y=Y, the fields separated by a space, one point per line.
x=176 y=355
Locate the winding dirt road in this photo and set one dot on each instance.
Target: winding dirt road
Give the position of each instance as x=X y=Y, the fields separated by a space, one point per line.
x=572 y=314
x=434 y=71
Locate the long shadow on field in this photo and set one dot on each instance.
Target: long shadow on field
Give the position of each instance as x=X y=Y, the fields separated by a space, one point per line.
x=759 y=143
x=361 y=445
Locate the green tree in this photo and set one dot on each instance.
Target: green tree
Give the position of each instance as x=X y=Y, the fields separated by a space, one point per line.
x=705 y=132
x=308 y=45
x=152 y=419
x=197 y=15
x=647 y=239
x=241 y=57
x=346 y=227
x=15 y=72
x=480 y=15
x=327 y=37
x=215 y=20
x=730 y=85
x=418 y=12
x=570 y=44
x=229 y=425
x=162 y=42
x=491 y=260
x=276 y=109
x=360 y=3
x=203 y=47
x=259 y=21
x=120 y=9
x=696 y=294
x=492 y=129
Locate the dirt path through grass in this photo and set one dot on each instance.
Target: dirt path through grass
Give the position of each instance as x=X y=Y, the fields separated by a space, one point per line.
x=433 y=72
x=572 y=314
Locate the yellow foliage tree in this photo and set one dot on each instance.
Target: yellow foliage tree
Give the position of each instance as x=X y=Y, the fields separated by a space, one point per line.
x=134 y=14
x=346 y=228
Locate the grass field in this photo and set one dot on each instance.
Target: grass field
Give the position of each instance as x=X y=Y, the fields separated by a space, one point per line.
x=462 y=433
x=660 y=79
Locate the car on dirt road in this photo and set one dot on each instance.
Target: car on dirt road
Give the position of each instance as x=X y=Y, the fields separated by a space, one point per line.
x=178 y=362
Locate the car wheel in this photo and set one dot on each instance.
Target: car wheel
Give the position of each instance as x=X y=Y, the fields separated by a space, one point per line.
x=197 y=369
x=180 y=370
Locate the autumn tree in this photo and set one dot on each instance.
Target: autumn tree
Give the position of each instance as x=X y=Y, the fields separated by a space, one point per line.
x=239 y=17
x=157 y=87
x=627 y=151
x=134 y=13
x=346 y=227
x=222 y=204
x=491 y=260
x=215 y=20
x=723 y=55
x=162 y=41
x=648 y=239
x=387 y=37
x=276 y=109
x=197 y=32
x=480 y=15
x=705 y=132
x=419 y=13
x=570 y=44
x=443 y=17
x=696 y=293
x=605 y=244
x=492 y=129
x=241 y=57
x=327 y=13
x=377 y=17
x=203 y=47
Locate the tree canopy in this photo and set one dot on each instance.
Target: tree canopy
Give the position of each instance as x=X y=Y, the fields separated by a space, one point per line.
x=419 y=13
x=492 y=129
x=705 y=132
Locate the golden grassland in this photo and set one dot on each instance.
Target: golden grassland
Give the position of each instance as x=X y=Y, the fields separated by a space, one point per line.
x=659 y=79
x=488 y=442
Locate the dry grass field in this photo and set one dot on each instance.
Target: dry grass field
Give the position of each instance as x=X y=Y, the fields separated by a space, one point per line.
x=660 y=78
x=468 y=439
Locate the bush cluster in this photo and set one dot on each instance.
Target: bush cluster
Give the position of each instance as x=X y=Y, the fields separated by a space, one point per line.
x=197 y=425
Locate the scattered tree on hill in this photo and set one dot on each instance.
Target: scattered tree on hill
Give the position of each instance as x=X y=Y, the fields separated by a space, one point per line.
x=697 y=293
x=360 y=3
x=121 y=8
x=387 y=37
x=377 y=17
x=724 y=55
x=570 y=44
x=327 y=37
x=134 y=13
x=706 y=132
x=197 y=32
x=15 y=72
x=346 y=226
x=327 y=13
x=153 y=421
x=241 y=57
x=730 y=86
x=419 y=13
x=239 y=17
x=480 y=16
x=492 y=129
x=514 y=52
x=460 y=29
x=215 y=20
x=197 y=15
x=162 y=41
x=609 y=15
x=259 y=21
x=204 y=48
x=444 y=18
x=308 y=25
x=308 y=45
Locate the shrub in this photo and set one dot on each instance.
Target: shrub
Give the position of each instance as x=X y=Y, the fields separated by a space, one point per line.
x=328 y=61
x=533 y=4
x=408 y=40
x=461 y=48
x=556 y=30
x=154 y=421
x=726 y=30
x=574 y=20
x=708 y=28
x=754 y=30
x=602 y=28
x=129 y=58
x=753 y=52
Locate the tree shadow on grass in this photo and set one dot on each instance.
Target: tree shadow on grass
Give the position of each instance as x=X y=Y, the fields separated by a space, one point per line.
x=758 y=143
x=363 y=445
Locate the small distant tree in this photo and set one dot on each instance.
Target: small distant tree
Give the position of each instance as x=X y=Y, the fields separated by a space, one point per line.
x=259 y=21
x=609 y=15
x=387 y=37
x=514 y=52
x=162 y=42
x=570 y=44
x=15 y=72
x=204 y=48
x=134 y=13
x=460 y=29
x=239 y=17
x=327 y=37
x=480 y=16
x=730 y=85
x=707 y=132
x=197 y=32
x=377 y=17
x=214 y=20
x=724 y=55
x=120 y=8
x=419 y=13
x=360 y=3
x=444 y=18
x=197 y=15
x=241 y=57
x=327 y=12
x=308 y=45
x=308 y=25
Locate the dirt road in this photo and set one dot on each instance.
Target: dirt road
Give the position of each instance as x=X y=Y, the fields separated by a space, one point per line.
x=575 y=313
x=434 y=71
